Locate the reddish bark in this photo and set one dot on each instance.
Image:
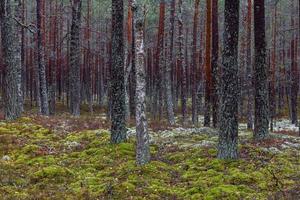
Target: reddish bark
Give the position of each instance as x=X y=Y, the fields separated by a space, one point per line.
x=208 y=71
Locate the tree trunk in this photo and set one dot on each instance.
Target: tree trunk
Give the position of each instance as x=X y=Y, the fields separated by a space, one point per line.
x=181 y=65
x=12 y=60
x=52 y=61
x=261 y=122
x=208 y=63
x=214 y=62
x=249 y=68
x=168 y=74
x=194 y=63
x=228 y=137
x=41 y=57
x=172 y=64
x=294 y=82
x=273 y=72
x=159 y=61
x=75 y=61
x=142 y=136
x=294 y=72
x=117 y=85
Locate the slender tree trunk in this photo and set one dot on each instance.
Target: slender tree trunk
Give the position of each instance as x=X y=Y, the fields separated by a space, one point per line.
x=143 y=147
x=249 y=68
x=129 y=62
x=75 y=61
x=194 y=63
x=159 y=60
x=294 y=72
x=208 y=73
x=214 y=62
x=117 y=85
x=168 y=74
x=228 y=137
x=87 y=83
x=172 y=64
x=53 y=59
x=261 y=122
x=181 y=65
x=12 y=60
x=273 y=72
x=294 y=82
x=41 y=58
x=132 y=85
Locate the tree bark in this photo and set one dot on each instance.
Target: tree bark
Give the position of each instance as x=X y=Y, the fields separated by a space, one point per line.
x=181 y=65
x=194 y=63
x=75 y=61
x=228 y=137
x=208 y=73
x=261 y=121
x=41 y=57
x=249 y=70
x=11 y=48
x=142 y=135
x=214 y=62
x=168 y=75
x=117 y=85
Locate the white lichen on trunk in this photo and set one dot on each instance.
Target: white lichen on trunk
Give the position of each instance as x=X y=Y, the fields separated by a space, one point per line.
x=142 y=135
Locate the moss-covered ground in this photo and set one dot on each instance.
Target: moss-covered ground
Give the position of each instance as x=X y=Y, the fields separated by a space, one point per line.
x=38 y=162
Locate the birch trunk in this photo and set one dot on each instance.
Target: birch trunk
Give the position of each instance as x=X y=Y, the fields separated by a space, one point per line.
x=142 y=136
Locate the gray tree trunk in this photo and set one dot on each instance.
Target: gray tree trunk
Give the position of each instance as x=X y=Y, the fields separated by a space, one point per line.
x=228 y=138
x=214 y=63
x=117 y=85
x=249 y=69
x=181 y=66
x=168 y=76
x=261 y=121
x=41 y=61
x=74 y=76
x=142 y=135
x=12 y=59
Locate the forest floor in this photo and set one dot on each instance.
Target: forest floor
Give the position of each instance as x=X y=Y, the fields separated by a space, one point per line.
x=63 y=157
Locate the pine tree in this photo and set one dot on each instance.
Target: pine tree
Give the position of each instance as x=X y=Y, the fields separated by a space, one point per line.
x=249 y=68
x=74 y=74
x=181 y=66
x=194 y=63
x=11 y=47
x=261 y=122
x=41 y=57
x=168 y=78
x=228 y=137
x=208 y=73
x=117 y=85
x=214 y=63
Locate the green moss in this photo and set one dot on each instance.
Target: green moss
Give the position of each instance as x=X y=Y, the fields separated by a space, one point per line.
x=230 y=192
x=54 y=172
x=5 y=131
x=236 y=176
x=218 y=165
x=43 y=165
x=30 y=149
x=25 y=120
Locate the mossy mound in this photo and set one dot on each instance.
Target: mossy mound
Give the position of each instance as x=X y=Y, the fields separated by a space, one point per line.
x=84 y=165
